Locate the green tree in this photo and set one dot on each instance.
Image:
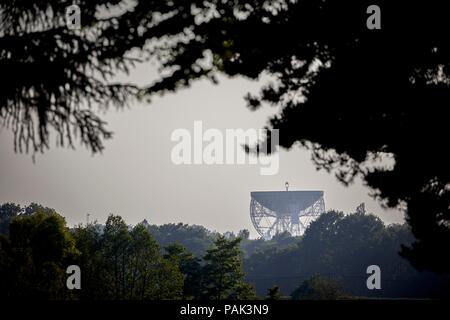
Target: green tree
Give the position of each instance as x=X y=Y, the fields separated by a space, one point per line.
x=37 y=253
x=116 y=244
x=124 y=263
x=95 y=270
x=7 y=212
x=189 y=266
x=223 y=274
x=33 y=208
x=168 y=280
x=151 y=277
x=316 y=288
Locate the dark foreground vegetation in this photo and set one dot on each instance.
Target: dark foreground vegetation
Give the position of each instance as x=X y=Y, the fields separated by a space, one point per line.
x=177 y=261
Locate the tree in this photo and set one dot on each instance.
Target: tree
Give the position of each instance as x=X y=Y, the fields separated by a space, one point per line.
x=223 y=277
x=89 y=242
x=37 y=253
x=169 y=281
x=116 y=245
x=189 y=266
x=70 y=73
x=8 y=211
x=124 y=263
x=152 y=276
x=33 y=208
x=67 y=71
x=316 y=288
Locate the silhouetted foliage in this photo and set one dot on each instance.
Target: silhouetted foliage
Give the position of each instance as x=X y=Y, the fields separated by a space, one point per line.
x=54 y=77
x=8 y=211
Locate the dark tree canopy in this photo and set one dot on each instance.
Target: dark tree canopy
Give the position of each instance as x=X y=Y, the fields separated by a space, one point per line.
x=349 y=94
x=35 y=257
x=9 y=211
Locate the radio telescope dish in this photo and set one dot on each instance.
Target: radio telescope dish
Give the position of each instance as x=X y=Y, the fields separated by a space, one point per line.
x=274 y=212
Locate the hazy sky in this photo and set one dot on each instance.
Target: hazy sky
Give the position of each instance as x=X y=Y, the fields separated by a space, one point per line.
x=135 y=177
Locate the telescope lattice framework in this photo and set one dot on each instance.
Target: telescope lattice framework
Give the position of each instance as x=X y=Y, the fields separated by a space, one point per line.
x=274 y=212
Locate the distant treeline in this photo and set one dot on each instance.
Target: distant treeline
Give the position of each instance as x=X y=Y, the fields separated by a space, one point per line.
x=178 y=261
x=336 y=246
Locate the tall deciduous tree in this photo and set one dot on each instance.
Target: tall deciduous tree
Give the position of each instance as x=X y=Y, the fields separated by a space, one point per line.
x=190 y=267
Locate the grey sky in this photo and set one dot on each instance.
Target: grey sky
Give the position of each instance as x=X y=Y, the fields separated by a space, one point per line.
x=134 y=177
